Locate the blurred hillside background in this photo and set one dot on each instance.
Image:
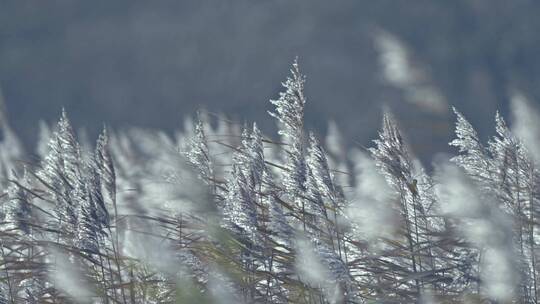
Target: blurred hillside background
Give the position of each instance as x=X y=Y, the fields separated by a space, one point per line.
x=151 y=63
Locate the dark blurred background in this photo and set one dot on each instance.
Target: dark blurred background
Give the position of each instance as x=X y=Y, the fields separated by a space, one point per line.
x=151 y=63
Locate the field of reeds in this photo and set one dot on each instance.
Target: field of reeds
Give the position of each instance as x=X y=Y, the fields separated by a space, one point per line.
x=221 y=213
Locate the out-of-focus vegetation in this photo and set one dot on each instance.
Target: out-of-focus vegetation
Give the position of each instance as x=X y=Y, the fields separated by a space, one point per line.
x=150 y=63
